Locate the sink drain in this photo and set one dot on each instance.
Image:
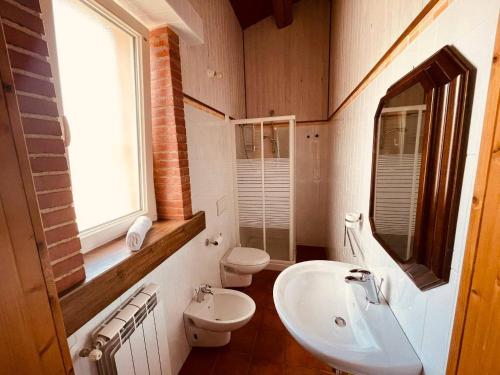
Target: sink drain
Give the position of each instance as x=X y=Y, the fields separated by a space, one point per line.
x=339 y=321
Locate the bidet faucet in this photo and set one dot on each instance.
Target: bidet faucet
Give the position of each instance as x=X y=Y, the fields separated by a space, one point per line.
x=367 y=281
x=202 y=290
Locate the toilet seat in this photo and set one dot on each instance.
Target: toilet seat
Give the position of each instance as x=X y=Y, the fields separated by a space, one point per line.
x=240 y=263
x=247 y=256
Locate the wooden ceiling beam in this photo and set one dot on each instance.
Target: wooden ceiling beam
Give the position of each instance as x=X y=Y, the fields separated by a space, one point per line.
x=283 y=12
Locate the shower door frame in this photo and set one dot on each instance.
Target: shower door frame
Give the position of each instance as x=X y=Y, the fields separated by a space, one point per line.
x=277 y=264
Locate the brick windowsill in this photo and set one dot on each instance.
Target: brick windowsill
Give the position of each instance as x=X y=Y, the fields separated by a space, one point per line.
x=112 y=268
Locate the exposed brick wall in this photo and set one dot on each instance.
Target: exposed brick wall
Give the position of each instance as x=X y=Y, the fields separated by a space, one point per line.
x=29 y=58
x=170 y=157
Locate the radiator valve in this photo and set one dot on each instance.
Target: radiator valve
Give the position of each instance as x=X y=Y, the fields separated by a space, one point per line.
x=93 y=354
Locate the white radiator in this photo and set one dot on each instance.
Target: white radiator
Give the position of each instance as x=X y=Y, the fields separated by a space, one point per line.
x=127 y=342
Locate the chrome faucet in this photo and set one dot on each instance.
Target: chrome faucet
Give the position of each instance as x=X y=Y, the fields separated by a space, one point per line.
x=201 y=291
x=367 y=281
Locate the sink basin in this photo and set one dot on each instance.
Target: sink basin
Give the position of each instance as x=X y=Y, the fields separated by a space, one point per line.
x=334 y=321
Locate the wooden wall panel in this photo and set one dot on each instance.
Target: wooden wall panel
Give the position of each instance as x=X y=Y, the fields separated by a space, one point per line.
x=475 y=342
x=287 y=69
x=361 y=32
x=32 y=337
x=221 y=52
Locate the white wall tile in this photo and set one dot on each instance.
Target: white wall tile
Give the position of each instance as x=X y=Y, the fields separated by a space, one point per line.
x=438 y=325
x=464 y=211
x=311 y=179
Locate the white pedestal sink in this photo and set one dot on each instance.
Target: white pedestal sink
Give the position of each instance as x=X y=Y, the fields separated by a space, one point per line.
x=334 y=321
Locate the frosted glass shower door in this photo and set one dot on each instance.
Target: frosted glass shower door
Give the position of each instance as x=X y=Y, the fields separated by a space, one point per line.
x=264 y=184
x=249 y=179
x=277 y=190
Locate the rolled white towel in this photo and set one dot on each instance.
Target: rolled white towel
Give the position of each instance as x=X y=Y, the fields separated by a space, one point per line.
x=137 y=232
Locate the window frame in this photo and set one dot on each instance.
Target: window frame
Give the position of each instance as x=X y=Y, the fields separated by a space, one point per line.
x=96 y=236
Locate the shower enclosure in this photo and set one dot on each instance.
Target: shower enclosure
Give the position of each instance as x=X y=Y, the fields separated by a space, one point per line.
x=265 y=165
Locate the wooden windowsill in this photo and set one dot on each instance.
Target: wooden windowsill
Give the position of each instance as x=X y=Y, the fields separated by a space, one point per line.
x=112 y=268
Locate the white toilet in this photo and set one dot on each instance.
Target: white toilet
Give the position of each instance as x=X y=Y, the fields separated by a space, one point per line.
x=240 y=263
x=214 y=313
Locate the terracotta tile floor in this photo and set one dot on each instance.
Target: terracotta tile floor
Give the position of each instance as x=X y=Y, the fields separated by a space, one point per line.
x=262 y=347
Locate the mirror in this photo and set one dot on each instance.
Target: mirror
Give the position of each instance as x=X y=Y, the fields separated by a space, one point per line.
x=419 y=148
x=397 y=170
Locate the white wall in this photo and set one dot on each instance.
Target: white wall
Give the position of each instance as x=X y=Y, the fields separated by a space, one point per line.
x=426 y=317
x=222 y=51
x=311 y=183
x=362 y=31
x=210 y=164
x=286 y=69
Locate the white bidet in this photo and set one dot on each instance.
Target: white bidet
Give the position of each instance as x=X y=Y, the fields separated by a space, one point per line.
x=214 y=313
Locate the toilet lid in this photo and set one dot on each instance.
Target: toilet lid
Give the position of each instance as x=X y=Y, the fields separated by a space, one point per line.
x=247 y=256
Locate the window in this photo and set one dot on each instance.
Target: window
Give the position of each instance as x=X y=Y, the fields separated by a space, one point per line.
x=100 y=75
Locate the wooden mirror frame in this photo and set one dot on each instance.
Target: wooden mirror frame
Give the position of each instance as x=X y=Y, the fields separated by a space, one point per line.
x=447 y=78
